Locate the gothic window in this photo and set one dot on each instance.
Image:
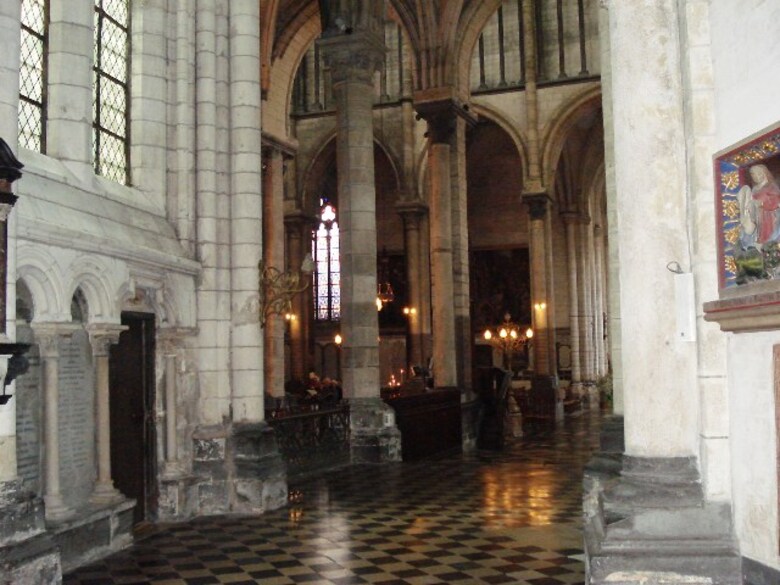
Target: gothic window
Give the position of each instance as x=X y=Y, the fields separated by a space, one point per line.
x=111 y=95
x=32 y=75
x=327 y=265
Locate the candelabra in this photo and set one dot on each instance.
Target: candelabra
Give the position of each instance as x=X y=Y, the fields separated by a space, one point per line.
x=508 y=339
x=277 y=288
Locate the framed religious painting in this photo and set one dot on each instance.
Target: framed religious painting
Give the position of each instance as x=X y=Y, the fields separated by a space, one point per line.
x=747 y=182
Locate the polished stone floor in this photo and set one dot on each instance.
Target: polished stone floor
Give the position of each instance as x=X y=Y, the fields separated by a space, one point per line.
x=508 y=517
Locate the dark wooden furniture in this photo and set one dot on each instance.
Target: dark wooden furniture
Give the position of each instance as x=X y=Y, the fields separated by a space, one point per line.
x=430 y=422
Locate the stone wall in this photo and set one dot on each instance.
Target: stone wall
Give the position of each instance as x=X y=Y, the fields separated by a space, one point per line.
x=745 y=105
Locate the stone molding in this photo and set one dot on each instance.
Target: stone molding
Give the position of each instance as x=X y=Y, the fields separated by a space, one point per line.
x=747 y=313
x=441 y=110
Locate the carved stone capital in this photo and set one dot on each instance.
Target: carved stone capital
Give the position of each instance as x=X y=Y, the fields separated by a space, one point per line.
x=103 y=335
x=538 y=204
x=441 y=109
x=353 y=58
x=412 y=212
x=48 y=336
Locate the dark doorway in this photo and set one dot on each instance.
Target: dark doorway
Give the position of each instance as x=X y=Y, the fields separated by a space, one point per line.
x=131 y=374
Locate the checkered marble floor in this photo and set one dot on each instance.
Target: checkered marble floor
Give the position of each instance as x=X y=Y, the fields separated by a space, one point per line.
x=509 y=517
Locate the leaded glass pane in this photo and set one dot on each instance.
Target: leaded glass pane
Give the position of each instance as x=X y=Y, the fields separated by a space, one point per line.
x=32 y=75
x=327 y=294
x=111 y=93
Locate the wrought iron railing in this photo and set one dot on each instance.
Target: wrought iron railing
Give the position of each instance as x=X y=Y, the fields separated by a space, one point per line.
x=312 y=440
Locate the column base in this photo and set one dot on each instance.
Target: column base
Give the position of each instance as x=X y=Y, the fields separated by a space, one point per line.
x=56 y=510
x=653 y=526
x=544 y=401
x=260 y=472
x=105 y=494
x=27 y=553
x=374 y=436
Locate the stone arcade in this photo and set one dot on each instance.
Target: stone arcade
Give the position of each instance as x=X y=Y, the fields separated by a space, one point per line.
x=585 y=166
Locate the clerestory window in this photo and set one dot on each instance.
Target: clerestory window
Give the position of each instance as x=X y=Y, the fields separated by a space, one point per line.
x=111 y=149
x=327 y=265
x=32 y=74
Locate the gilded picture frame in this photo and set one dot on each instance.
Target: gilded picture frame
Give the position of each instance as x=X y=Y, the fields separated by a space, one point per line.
x=747 y=184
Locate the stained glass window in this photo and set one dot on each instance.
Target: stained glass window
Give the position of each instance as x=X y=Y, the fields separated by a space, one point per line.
x=110 y=99
x=32 y=75
x=327 y=266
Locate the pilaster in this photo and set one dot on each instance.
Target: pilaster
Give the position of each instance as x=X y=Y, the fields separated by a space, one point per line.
x=570 y=221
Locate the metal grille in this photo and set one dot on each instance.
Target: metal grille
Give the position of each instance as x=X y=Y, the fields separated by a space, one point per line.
x=32 y=75
x=327 y=275
x=110 y=129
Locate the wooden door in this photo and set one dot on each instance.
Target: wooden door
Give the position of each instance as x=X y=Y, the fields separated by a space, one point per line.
x=131 y=373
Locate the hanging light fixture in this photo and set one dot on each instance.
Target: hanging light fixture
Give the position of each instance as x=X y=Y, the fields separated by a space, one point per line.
x=384 y=290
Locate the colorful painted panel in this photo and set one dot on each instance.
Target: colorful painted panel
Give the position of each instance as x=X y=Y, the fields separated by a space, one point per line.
x=748 y=196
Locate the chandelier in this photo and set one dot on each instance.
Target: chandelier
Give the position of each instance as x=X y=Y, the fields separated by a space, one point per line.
x=508 y=339
x=384 y=290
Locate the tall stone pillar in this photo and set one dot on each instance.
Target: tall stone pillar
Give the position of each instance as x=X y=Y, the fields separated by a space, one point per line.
x=48 y=337
x=570 y=220
x=102 y=336
x=442 y=112
x=586 y=305
x=412 y=213
x=353 y=59
x=297 y=226
x=600 y=305
x=653 y=524
x=545 y=398
x=273 y=255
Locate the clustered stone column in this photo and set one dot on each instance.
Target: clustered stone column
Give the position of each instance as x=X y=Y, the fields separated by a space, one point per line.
x=296 y=225
x=49 y=336
x=353 y=59
x=586 y=306
x=102 y=337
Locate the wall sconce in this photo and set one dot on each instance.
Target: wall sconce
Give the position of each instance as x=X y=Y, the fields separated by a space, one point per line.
x=277 y=288
x=408 y=311
x=290 y=317
x=338 y=339
x=540 y=306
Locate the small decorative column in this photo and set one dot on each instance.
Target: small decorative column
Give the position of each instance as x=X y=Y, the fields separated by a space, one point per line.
x=102 y=336
x=168 y=343
x=412 y=213
x=570 y=220
x=49 y=336
x=353 y=47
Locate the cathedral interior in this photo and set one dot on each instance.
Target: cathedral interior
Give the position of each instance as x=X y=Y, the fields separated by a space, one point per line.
x=389 y=291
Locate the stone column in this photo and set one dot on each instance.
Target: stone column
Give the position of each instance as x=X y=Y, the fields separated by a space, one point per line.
x=102 y=336
x=168 y=344
x=353 y=59
x=49 y=336
x=586 y=305
x=246 y=216
x=273 y=255
x=600 y=305
x=413 y=212
x=667 y=530
x=296 y=226
x=441 y=113
x=570 y=220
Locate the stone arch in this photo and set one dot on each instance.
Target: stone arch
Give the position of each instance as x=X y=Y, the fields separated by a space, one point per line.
x=474 y=19
x=90 y=274
x=36 y=268
x=509 y=127
x=325 y=155
x=563 y=120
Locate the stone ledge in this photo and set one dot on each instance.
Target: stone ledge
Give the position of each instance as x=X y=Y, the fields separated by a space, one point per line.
x=750 y=312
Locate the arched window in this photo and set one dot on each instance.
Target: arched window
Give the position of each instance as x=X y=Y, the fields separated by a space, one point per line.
x=32 y=75
x=111 y=92
x=327 y=265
